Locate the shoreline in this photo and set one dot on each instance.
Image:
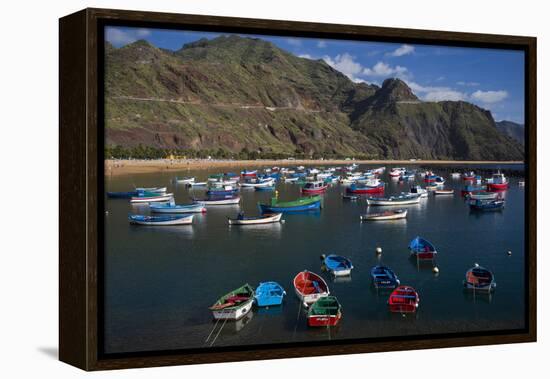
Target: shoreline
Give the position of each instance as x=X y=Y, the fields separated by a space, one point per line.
x=128 y=167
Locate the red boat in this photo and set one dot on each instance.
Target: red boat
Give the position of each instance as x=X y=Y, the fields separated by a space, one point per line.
x=403 y=299
x=314 y=188
x=498 y=183
x=249 y=173
x=469 y=176
x=324 y=312
x=310 y=287
x=365 y=189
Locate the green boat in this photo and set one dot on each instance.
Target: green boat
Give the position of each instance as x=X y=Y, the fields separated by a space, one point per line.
x=326 y=311
x=235 y=304
x=300 y=205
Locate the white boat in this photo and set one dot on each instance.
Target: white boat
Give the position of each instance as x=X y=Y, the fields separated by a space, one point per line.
x=379 y=170
x=160 y=220
x=403 y=199
x=198 y=184
x=384 y=216
x=483 y=195
x=175 y=208
x=397 y=171
x=455 y=175
x=292 y=179
x=521 y=183
x=218 y=201
x=310 y=287
x=440 y=192
x=417 y=190
x=234 y=305
x=159 y=190
x=264 y=219
x=258 y=183
x=152 y=199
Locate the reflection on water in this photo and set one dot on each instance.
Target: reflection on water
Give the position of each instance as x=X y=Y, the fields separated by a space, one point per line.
x=160 y=281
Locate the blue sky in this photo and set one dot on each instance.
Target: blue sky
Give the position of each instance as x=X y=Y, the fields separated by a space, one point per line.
x=492 y=79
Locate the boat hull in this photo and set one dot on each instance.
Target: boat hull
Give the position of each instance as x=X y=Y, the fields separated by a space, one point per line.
x=300 y=208
x=151 y=199
x=384 y=216
x=234 y=313
x=257 y=221
x=196 y=208
x=386 y=202
x=497 y=187
x=315 y=191
x=322 y=320
x=152 y=221
x=219 y=202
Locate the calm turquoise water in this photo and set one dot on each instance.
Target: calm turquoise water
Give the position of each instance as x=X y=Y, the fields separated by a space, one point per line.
x=160 y=281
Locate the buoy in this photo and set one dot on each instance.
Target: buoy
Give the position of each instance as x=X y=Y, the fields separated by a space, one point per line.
x=435 y=270
x=378 y=250
x=509 y=253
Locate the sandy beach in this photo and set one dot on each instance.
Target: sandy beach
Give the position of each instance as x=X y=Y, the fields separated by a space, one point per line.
x=126 y=167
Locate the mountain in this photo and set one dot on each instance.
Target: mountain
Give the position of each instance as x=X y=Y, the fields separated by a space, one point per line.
x=513 y=130
x=235 y=93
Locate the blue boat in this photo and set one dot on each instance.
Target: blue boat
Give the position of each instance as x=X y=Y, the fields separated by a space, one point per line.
x=422 y=248
x=160 y=220
x=122 y=195
x=303 y=204
x=268 y=294
x=172 y=207
x=337 y=265
x=221 y=192
x=486 y=205
x=384 y=277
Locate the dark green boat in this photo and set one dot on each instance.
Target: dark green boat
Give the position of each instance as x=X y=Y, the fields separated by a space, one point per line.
x=326 y=311
x=300 y=205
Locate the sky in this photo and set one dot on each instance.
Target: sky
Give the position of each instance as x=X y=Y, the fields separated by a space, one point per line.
x=490 y=78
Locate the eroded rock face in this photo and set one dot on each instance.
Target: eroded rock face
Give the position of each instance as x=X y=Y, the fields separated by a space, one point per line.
x=235 y=92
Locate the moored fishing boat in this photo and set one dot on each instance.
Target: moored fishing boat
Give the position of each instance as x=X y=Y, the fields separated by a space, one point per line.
x=324 y=312
x=148 y=197
x=171 y=207
x=222 y=191
x=337 y=265
x=397 y=171
x=315 y=187
x=469 y=176
x=455 y=175
x=249 y=173
x=160 y=220
x=157 y=190
x=310 y=287
x=198 y=184
x=403 y=299
x=383 y=277
x=482 y=195
x=417 y=190
x=403 y=199
x=422 y=248
x=267 y=218
x=479 y=279
x=218 y=200
x=185 y=180
x=299 y=205
x=486 y=205
x=234 y=305
x=269 y=294
x=385 y=216
x=444 y=191
x=407 y=175
x=122 y=195
x=498 y=183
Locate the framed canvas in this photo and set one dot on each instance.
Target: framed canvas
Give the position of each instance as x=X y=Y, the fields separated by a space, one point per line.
x=240 y=189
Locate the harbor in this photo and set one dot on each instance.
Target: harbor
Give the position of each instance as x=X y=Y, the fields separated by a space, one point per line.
x=162 y=279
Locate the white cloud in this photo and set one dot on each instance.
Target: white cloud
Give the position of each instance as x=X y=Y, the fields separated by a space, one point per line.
x=346 y=64
x=489 y=97
x=430 y=93
x=119 y=37
x=402 y=50
x=294 y=42
x=382 y=69
x=306 y=56
x=440 y=79
x=321 y=44
x=468 y=84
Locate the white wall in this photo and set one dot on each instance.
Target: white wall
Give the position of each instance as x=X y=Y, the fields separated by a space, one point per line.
x=28 y=156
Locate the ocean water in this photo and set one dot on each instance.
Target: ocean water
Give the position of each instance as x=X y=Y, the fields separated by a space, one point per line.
x=160 y=281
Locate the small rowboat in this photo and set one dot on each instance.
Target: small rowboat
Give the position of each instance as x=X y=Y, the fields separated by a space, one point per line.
x=222 y=191
x=300 y=205
x=486 y=205
x=417 y=190
x=234 y=305
x=249 y=173
x=479 y=279
x=148 y=197
x=469 y=176
x=160 y=220
x=255 y=183
x=268 y=294
x=444 y=192
x=337 y=265
x=157 y=190
x=291 y=179
x=422 y=248
x=218 y=200
x=384 y=216
x=267 y=218
x=313 y=188
x=324 y=312
x=403 y=299
x=483 y=195
x=403 y=199
x=310 y=287
x=397 y=171
x=198 y=184
x=383 y=277
x=175 y=208
x=455 y=175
